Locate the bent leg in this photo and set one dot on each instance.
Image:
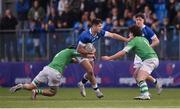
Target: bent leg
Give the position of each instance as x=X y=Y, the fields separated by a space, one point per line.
x=51 y=91
x=17 y=87
x=89 y=70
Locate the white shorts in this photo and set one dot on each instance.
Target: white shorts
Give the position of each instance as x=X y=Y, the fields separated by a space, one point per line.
x=137 y=62
x=149 y=65
x=48 y=75
x=81 y=59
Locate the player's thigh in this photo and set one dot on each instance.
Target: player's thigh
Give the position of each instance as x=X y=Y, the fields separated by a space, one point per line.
x=142 y=75
x=41 y=77
x=92 y=63
x=54 y=78
x=149 y=65
x=136 y=72
x=87 y=66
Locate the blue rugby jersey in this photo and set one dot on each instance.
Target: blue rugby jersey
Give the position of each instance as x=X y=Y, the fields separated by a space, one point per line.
x=87 y=37
x=148 y=33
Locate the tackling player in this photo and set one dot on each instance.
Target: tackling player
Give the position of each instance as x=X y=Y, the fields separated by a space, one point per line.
x=51 y=74
x=140 y=45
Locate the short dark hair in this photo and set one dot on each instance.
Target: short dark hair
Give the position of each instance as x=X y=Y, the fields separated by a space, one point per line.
x=73 y=46
x=96 y=21
x=135 y=30
x=139 y=15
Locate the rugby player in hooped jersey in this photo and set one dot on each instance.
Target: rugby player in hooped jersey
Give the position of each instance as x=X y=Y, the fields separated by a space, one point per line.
x=148 y=33
x=140 y=45
x=51 y=74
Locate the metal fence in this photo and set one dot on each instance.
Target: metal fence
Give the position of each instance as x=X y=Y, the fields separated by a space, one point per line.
x=26 y=45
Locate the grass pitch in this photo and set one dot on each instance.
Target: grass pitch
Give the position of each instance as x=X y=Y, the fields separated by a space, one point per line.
x=70 y=98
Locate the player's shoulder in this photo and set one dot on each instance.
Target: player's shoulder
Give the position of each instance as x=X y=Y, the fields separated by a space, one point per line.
x=85 y=33
x=138 y=38
x=70 y=51
x=147 y=28
x=102 y=33
x=135 y=39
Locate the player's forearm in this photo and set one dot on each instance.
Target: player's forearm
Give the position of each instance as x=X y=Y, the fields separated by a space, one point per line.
x=119 y=37
x=117 y=55
x=81 y=50
x=155 y=43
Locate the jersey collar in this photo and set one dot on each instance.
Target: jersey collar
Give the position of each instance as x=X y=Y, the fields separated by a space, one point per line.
x=143 y=26
x=90 y=31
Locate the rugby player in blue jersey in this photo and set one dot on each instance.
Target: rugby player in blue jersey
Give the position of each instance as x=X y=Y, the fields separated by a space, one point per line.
x=90 y=36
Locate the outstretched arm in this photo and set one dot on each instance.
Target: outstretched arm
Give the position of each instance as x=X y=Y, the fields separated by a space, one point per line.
x=115 y=56
x=118 y=37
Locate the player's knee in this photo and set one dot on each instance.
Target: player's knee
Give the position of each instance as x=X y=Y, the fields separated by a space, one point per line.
x=32 y=86
x=90 y=74
x=140 y=78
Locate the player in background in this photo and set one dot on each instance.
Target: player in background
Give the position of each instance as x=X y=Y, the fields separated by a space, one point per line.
x=51 y=74
x=153 y=40
x=90 y=36
x=140 y=45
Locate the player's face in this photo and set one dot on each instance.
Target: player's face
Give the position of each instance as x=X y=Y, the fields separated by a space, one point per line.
x=139 y=21
x=98 y=27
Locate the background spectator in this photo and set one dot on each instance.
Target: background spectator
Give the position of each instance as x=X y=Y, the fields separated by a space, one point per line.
x=9 y=45
x=36 y=13
x=22 y=8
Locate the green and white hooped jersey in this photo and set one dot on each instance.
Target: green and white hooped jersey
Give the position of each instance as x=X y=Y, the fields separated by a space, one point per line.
x=141 y=47
x=62 y=59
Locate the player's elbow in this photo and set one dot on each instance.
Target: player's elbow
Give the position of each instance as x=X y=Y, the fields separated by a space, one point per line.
x=113 y=35
x=157 y=42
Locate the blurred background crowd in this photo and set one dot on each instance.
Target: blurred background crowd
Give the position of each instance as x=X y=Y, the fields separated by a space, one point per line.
x=37 y=29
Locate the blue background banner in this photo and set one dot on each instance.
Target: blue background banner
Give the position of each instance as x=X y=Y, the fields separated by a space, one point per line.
x=108 y=74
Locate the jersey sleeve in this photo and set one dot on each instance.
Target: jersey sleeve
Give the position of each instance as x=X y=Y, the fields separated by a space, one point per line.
x=106 y=34
x=102 y=33
x=151 y=34
x=83 y=39
x=129 y=46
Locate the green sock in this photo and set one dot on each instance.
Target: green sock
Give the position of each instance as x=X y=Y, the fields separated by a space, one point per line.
x=143 y=87
x=39 y=91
